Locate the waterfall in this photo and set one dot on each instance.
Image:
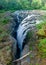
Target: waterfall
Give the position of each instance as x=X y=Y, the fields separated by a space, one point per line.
x=26 y=25
x=23 y=28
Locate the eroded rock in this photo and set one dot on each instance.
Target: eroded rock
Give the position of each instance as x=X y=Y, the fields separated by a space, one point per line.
x=6 y=51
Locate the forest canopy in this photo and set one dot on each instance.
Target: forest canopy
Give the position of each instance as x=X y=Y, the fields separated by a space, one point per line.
x=22 y=4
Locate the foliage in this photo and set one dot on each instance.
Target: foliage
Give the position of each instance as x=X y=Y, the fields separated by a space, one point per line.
x=4 y=19
x=22 y=4
x=36 y=4
x=42 y=40
x=39 y=26
x=42 y=48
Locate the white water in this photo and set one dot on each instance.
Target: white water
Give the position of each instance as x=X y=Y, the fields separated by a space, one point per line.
x=26 y=25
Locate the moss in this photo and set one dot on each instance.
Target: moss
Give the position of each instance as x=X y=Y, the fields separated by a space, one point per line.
x=41 y=32
x=39 y=26
x=42 y=48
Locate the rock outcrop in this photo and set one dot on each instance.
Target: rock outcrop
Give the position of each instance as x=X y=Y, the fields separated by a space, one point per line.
x=7 y=42
x=6 y=50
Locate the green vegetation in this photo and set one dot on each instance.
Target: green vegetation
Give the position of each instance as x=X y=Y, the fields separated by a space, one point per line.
x=42 y=48
x=4 y=20
x=22 y=4
x=42 y=39
x=13 y=5
x=40 y=43
x=39 y=26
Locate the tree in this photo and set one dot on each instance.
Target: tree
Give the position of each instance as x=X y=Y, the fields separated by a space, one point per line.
x=36 y=4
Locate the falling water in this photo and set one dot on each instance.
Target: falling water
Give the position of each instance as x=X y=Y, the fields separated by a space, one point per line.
x=23 y=28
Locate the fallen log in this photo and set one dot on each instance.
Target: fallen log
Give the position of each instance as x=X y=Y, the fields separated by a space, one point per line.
x=22 y=57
